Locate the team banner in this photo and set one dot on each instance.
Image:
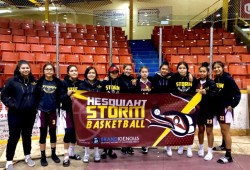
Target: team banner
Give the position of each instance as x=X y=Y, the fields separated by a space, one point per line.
x=245 y=9
x=120 y=120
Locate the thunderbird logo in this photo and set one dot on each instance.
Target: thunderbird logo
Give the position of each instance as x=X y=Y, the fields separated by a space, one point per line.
x=180 y=124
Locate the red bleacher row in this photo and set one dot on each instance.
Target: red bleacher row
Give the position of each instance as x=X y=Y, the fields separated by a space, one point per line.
x=192 y=46
x=79 y=44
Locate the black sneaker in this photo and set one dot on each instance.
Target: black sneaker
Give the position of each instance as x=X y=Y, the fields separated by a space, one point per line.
x=124 y=151
x=43 y=161
x=104 y=155
x=112 y=154
x=55 y=158
x=219 y=148
x=225 y=159
x=130 y=151
x=66 y=162
x=144 y=150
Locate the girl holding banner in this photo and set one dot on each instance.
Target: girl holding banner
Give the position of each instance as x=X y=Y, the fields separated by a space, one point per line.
x=208 y=89
x=228 y=98
x=90 y=83
x=71 y=83
x=144 y=86
x=181 y=83
x=50 y=92
x=127 y=79
x=19 y=96
x=112 y=85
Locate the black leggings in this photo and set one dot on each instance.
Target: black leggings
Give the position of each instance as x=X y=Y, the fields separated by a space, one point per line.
x=19 y=125
x=43 y=135
x=70 y=136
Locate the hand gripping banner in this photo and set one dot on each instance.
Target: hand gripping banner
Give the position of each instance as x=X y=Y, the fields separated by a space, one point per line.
x=120 y=120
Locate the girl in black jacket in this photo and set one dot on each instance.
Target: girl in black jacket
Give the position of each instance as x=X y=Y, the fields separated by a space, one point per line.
x=19 y=96
x=50 y=92
x=91 y=83
x=126 y=78
x=228 y=98
x=208 y=89
x=161 y=78
x=181 y=84
x=70 y=83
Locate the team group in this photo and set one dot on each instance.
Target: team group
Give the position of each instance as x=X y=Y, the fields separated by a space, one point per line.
x=28 y=99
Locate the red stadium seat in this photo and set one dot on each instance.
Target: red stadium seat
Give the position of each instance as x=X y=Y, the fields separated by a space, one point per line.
x=61 y=58
x=240 y=50
x=85 y=59
x=183 y=50
x=176 y=59
x=42 y=58
x=225 y=49
x=37 y=48
x=89 y=50
x=77 y=49
x=101 y=50
x=197 y=50
x=45 y=40
x=171 y=51
x=33 y=40
x=19 y=39
x=203 y=58
x=27 y=56
x=100 y=59
x=245 y=83
x=5 y=38
x=245 y=58
x=23 y=47
x=72 y=58
x=190 y=59
x=125 y=60
x=10 y=57
x=233 y=59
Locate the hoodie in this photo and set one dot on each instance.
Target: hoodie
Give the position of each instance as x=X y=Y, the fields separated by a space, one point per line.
x=19 y=94
x=229 y=93
x=161 y=82
x=69 y=85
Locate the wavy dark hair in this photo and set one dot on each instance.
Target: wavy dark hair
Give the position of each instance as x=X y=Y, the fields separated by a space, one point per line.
x=19 y=64
x=87 y=71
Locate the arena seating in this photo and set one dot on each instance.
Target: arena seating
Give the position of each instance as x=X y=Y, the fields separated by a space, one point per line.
x=35 y=41
x=192 y=46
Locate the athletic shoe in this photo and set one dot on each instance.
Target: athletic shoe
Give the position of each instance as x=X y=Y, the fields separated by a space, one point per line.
x=55 y=158
x=97 y=158
x=144 y=150
x=86 y=158
x=180 y=150
x=66 y=162
x=10 y=167
x=201 y=152
x=224 y=160
x=124 y=150
x=130 y=151
x=104 y=155
x=169 y=150
x=30 y=162
x=208 y=157
x=189 y=152
x=112 y=154
x=43 y=161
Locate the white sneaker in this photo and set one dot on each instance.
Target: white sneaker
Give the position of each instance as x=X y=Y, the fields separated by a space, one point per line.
x=208 y=157
x=97 y=158
x=169 y=150
x=85 y=159
x=201 y=152
x=10 y=167
x=180 y=150
x=30 y=162
x=189 y=152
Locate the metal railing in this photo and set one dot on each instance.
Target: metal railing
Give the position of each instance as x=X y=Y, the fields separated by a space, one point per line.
x=207 y=12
